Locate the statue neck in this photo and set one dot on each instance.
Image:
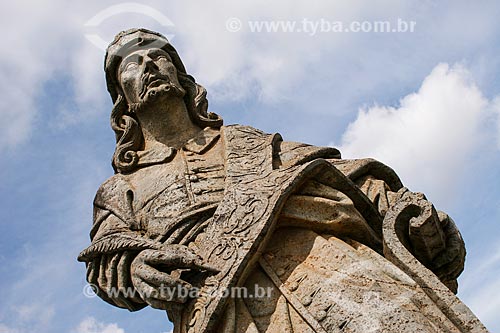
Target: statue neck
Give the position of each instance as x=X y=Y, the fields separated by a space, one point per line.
x=167 y=123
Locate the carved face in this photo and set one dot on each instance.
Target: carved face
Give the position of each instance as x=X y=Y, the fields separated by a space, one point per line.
x=147 y=74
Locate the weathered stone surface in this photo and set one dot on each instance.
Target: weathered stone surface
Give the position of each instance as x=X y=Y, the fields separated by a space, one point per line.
x=311 y=242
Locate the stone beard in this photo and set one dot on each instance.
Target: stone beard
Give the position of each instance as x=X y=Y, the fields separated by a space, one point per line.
x=338 y=245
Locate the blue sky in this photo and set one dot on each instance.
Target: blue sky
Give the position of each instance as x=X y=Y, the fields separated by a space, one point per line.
x=425 y=102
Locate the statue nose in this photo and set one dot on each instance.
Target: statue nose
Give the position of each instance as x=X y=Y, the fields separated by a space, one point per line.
x=149 y=65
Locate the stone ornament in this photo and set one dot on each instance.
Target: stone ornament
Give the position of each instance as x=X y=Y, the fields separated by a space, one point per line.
x=197 y=210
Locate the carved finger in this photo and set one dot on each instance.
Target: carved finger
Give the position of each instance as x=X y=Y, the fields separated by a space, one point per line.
x=458 y=269
x=451 y=262
x=443 y=219
x=452 y=270
x=452 y=285
x=124 y=280
x=178 y=259
x=93 y=271
x=111 y=271
x=426 y=233
x=101 y=280
x=157 y=278
x=152 y=275
x=158 y=304
x=454 y=252
x=123 y=271
x=145 y=290
x=455 y=247
x=158 y=297
x=175 y=255
x=199 y=264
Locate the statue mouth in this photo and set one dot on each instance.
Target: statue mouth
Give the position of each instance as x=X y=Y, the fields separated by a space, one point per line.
x=156 y=82
x=153 y=82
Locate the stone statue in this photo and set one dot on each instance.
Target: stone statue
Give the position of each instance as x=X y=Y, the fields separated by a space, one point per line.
x=337 y=245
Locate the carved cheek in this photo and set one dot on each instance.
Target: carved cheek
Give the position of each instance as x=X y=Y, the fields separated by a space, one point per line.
x=130 y=86
x=171 y=72
x=165 y=67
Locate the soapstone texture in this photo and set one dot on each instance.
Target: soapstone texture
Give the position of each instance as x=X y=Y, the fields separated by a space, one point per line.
x=337 y=245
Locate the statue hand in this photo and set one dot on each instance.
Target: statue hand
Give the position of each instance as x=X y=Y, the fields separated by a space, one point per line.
x=434 y=239
x=449 y=263
x=151 y=278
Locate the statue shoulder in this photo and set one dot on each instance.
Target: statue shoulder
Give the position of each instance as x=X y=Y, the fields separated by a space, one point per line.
x=114 y=189
x=358 y=169
x=294 y=153
x=289 y=153
x=285 y=153
x=238 y=131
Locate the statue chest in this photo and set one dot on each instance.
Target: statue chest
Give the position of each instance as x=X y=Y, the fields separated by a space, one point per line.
x=163 y=194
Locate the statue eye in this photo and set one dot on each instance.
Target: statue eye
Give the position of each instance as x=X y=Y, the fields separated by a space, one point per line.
x=161 y=58
x=131 y=65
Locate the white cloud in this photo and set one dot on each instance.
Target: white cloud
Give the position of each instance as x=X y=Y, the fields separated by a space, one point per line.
x=6 y=329
x=29 y=57
x=234 y=66
x=45 y=278
x=486 y=304
x=52 y=42
x=40 y=313
x=277 y=65
x=91 y=325
x=480 y=285
x=431 y=136
x=35 y=316
x=496 y=108
x=48 y=37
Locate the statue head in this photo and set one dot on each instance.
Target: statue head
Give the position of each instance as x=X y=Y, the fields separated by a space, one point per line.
x=131 y=90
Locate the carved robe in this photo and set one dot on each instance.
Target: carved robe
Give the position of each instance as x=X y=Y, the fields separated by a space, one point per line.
x=291 y=218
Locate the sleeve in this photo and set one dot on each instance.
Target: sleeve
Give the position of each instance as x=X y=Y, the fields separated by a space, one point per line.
x=446 y=262
x=116 y=240
x=108 y=270
x=324 y=209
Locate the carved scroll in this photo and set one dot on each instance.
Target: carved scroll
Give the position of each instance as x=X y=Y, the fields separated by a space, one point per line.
x=407 y=214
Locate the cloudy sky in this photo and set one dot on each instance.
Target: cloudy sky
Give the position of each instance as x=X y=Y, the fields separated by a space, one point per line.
x=425 y=102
